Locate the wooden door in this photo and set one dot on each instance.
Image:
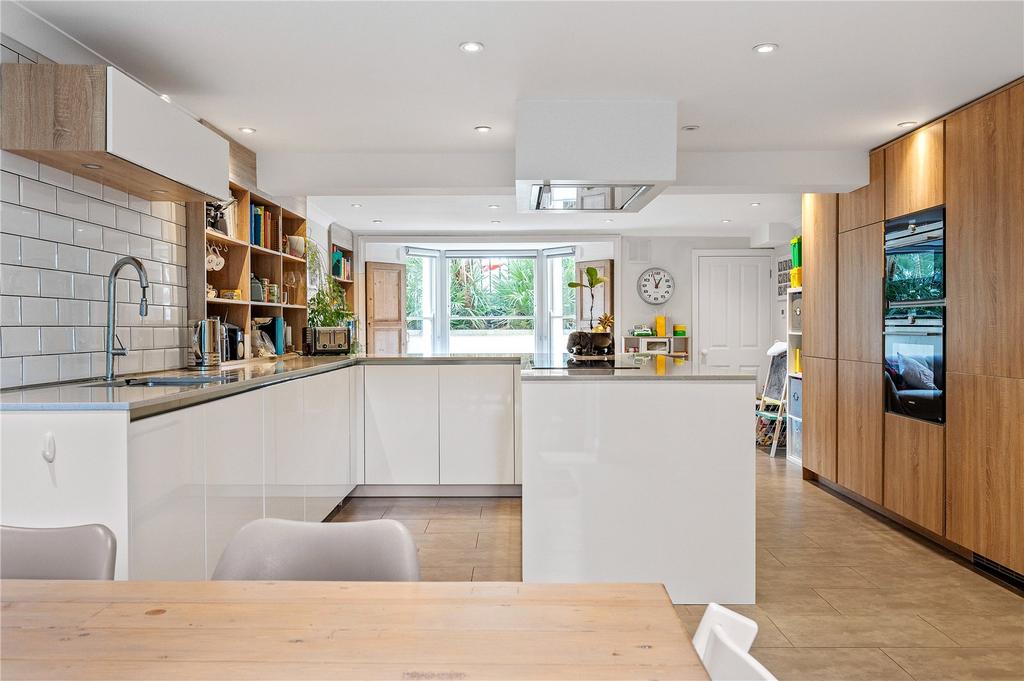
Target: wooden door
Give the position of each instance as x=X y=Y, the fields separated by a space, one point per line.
x=865 y=206
x=819 y=274
x=985 y=236
x=861 y=407
x=385 y=308
x=914 y=171
x=819 y=409
x=860 y=294
x=985 y=466
x=915 y=470
x=603 y=296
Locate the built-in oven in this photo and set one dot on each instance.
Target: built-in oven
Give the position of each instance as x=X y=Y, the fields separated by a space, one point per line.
x=915 y=269
x=914 y=368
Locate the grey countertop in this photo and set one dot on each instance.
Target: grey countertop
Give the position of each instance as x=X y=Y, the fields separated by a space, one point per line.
x=142 y=401
x=626 y=367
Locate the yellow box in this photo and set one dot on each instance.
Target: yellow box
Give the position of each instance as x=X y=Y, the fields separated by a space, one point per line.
x=796 y=277
x=660 y=326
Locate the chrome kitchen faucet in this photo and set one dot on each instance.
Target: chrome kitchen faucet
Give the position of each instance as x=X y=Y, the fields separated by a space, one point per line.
x=112 y=308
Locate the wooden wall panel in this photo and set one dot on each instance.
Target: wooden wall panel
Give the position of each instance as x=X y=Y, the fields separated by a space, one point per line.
x=861 y=408
x=915 y=471
x=54 y=107
x=985 y=236
x=865 y=206
x=985 y=466
x=860 y=294
x=819 y=416
x=820 y=236
x=914 y=175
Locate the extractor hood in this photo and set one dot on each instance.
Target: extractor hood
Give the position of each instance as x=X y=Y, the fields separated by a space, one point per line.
x=601 y=156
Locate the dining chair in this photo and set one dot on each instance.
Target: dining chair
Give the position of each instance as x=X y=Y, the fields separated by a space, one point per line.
x=741 y=630
x=80 y=552
x=724 y=660
x=276 y=549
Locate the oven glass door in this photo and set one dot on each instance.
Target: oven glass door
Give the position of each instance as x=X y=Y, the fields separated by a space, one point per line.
x=915 y=271
x=915 y=378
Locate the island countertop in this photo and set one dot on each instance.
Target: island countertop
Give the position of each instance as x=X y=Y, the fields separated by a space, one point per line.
x=626 y=367
x=142 y=401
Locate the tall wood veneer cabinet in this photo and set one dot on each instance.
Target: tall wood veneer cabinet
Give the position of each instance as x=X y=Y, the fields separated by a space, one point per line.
x=915 y=471
x=865 y=206
x=860 y=294
x=819 y=416
x=985 y=466
x=820 y=234
x=914 y=171
x=861 y=408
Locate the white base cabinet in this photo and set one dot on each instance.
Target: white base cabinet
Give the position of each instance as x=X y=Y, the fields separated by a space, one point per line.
x=477 y=425
x=401 y=412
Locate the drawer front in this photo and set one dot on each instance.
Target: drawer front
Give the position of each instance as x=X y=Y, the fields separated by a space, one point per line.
x=796 y=394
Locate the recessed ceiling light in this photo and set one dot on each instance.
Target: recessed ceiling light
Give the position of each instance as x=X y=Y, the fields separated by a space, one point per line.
x=376 y=222
x=166 y=98
x=483 y=129
x=357 y=205
x=494 y=206
x=247 y=131
x=495 y=222
x=765 y=48
x=726 y=220
x=755 y=204
x=472 y=47
x=608 y=220
x=690 y=128
x=906 y=124
x=159 y=191
x=92 y=166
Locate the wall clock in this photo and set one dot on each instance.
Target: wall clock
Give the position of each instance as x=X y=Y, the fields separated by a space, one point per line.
x=655 y=286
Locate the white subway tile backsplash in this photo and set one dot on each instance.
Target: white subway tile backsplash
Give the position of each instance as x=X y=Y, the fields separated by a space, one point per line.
x=72 y=258
x=74 y=312
x=72 y=205
x=129 y=364
x=10 y=311
x=102 y=213
x=162 y=209
x=115 y=196
x=163 y=251
x=16 y=219
x=128 y=314
x=98 y=363
x=10 y=187
x=55 y=176
x=151 y=226
x=40 y=369
x=56 y=228
x=10 y=249
x=75 y=366
x=55 y=284
x=178 y=213
x=89 y=287
x=140 y=246
x=170 y=232
x=142 y=338
x=178 y=255
x=89 y=339
x=19 y=340
x=38 y=311
x=138 y=204
x=35 y=194
x=115 y=241
x=165 y=337
x=128 y=220
x=10 y=371
x=19 y=165
x=88 y=235
x=174 y=358
x=19 y=281
x=100 y=262
x=57 y=339
x=88 y=187
x=153 y=360
x=38 y=253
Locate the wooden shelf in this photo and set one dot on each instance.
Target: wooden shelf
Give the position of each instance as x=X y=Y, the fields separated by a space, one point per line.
x=342 y=281
x=260 y=303
x=228 y=301
x=214 y=235
x=293 y=258
x=265 y=251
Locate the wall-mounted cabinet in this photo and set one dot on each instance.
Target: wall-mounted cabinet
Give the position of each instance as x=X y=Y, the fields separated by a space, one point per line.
x=98 y=123
x=915 y=471
x=819 y=416
x=865 y=206
x=820 y=236
x=861 y=268
x=914 y=171
x=861 y=407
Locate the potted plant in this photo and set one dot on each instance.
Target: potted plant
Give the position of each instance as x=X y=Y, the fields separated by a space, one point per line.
x=598 y=340
x=327 y=308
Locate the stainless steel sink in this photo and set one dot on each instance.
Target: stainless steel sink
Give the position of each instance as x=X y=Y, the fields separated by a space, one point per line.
x=156 y=381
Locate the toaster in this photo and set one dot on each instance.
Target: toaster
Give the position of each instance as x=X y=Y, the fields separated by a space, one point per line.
x=326 y=340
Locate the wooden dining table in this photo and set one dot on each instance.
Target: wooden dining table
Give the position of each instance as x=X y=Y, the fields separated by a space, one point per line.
x=341 y=630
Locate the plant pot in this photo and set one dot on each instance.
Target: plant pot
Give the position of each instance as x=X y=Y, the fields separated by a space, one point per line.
x=590 y=343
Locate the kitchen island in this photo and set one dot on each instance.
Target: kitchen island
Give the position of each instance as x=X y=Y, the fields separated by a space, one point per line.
x=634 y=470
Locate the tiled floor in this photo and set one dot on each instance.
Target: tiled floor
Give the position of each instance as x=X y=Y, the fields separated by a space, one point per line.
x=841 y=593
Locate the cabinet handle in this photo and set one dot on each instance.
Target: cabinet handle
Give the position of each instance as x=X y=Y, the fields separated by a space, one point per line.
x=49 y=448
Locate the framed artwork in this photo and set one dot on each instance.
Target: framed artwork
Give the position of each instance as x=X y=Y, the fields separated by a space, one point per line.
x=782 y=266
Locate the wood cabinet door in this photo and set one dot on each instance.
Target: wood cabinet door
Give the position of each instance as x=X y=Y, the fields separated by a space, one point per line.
x=861 y=268
x=819 y=443
x=985 y=466
x=915 y=470
x=819 y=274
x=866 y=205
x=914 y=174
x=860 y=403
x=385 y=308
x=985 y=236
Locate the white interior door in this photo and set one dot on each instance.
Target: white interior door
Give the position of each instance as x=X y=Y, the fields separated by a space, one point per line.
x=734 y=303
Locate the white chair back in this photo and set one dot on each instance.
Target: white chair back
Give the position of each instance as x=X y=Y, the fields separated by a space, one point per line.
x=725 y=661
x=742 y=630
x=80 y=552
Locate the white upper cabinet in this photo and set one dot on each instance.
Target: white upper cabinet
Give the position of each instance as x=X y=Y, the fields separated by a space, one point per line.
x=477 y=422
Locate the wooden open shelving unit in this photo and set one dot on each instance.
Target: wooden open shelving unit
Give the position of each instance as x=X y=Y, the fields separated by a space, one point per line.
x=243 y=259
x=347 y=278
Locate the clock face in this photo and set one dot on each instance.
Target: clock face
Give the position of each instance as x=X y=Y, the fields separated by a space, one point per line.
x=655 y=286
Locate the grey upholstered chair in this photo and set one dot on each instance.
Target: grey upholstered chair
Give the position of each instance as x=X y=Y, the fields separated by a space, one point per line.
x=81 y=552
x=274 y=549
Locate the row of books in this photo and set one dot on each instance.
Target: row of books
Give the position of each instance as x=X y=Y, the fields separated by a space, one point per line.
x=261 y=226
x=341 y=265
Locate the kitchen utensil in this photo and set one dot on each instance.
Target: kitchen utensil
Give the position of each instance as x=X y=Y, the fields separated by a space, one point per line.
x=206 y=343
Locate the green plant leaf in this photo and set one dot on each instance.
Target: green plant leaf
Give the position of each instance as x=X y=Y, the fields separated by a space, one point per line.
x=574 y=284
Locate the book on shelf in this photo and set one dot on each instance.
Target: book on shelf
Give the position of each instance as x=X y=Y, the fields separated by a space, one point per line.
x=261 y=226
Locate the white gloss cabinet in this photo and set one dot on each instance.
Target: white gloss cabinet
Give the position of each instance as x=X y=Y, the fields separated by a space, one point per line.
x=326 y=400
x=477 y=424
x=401 y=425
x=284 y=445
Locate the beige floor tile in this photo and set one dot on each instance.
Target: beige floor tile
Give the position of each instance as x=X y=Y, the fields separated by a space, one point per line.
x=959 y=664
x=512 y=540
x=473 y=525
x=823 y=664
x=776 y=600
x=447 y=540
x=859 y=631
x=920 y=600
x=399 y=512
x=495 y=573
x=841 y=558
x=446 y=557
x=982 y=631
x=415 y=525
x=768 y=635
x=346 y=515
x=814 y=576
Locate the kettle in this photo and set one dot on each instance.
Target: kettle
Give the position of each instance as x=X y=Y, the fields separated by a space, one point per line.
x=206 y=343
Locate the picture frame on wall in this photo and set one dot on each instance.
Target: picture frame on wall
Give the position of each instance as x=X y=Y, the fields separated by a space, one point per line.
x=783 y=264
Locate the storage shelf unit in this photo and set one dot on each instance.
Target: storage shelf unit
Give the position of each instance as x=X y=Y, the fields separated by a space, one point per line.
x=344 y=274
x=678 y=346
x=243 y=259
x=794 y=393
